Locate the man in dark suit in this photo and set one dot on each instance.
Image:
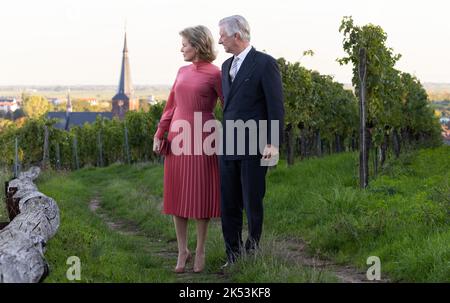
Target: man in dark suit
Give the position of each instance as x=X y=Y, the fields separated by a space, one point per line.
x=252 y=91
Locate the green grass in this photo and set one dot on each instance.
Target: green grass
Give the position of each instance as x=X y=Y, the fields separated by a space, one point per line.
x=4 y=176
x=133 y=193
x=105 y=256
x=403 y=218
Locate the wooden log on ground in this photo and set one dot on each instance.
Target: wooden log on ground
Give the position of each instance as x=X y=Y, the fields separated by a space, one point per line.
x=23 y=240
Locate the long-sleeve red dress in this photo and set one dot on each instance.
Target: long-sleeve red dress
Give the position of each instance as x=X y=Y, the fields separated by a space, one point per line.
x=191 y=181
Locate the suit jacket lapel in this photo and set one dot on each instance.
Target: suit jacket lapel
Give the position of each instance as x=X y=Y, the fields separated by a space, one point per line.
x=245 y=69
x=226 y=81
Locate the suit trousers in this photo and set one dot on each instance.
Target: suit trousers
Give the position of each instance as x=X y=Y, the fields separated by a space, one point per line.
x=243 y=185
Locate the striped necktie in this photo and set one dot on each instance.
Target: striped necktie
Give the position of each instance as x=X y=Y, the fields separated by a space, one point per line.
x=234 y=69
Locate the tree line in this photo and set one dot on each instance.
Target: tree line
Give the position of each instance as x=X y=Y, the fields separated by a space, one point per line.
x=323 y=117
x=97 y=144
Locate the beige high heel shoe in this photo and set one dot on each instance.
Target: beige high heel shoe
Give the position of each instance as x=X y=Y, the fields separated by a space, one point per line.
x=182 y=269
x=199 y=263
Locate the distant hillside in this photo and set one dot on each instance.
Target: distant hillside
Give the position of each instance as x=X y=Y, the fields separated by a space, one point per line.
x=102 y=92
x=437 y=87
x=435 y=91
x=438 y=91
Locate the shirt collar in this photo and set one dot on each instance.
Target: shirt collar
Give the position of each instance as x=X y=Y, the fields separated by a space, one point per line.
x=244 y=53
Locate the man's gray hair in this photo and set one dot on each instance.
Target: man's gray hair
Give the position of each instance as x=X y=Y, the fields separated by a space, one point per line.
x=236 y=24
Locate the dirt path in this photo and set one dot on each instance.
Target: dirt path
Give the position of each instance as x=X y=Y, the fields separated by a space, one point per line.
x=296 y=251
x=122 y=227
x=157 y=247
x=291 y=250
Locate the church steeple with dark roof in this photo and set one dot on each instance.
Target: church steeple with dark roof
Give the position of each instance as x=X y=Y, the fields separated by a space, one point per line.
x=68 y=103
x=124 y=100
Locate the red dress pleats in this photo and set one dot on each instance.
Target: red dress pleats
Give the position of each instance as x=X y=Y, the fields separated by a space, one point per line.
x=191 y=181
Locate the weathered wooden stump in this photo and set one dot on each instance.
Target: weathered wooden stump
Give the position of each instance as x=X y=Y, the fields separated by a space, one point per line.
x=23 y=240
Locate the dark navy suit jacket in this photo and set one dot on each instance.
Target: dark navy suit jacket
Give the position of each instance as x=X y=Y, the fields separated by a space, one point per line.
x=255 y=94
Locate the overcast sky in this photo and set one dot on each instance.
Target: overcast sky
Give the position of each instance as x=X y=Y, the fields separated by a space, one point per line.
x=68 y=42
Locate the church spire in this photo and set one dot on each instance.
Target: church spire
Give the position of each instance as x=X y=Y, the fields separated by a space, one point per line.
x=125 y=85
x=68 y=110
x=125 y=48
x=124 y=100
x=68 y=103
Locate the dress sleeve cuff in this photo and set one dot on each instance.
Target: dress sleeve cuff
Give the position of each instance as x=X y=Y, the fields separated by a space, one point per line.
x=159 y=133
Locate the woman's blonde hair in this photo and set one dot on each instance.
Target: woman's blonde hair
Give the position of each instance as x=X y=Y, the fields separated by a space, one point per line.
x=202 y=40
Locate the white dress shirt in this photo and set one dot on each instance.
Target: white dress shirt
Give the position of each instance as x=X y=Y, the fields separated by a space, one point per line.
x=241 y=57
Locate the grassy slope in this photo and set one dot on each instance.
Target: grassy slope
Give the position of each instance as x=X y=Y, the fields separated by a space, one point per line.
x=402 y=218
x=105 y=256
x=4 y=176
x=132 y=193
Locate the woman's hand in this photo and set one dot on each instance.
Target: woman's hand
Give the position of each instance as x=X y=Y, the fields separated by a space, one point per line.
x=156 y=144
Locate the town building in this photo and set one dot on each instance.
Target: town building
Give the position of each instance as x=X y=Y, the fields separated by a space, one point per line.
x=8 y=104
x=122 y=102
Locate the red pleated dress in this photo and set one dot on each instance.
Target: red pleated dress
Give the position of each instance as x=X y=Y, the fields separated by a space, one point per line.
x=191 y=177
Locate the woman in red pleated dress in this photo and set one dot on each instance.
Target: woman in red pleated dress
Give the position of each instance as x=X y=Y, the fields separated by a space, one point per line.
x=191 y=179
